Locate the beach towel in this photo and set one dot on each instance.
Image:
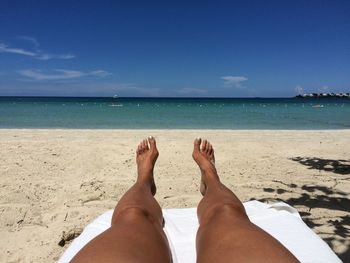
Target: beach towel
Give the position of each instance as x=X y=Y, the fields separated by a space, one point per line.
x=279 y=219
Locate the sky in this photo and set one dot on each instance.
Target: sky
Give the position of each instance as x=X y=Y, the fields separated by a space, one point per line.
x=174 y=48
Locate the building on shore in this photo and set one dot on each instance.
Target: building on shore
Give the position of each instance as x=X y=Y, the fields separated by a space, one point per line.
x=324 y=95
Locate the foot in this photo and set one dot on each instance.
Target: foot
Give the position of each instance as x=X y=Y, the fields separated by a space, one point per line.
x=146 y=157
x=203 y=154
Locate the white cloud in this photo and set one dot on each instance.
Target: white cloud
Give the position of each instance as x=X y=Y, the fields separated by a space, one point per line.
x=5 y=49
x=32 y=40
x=299 y=90
x=191 y=91
x=44 y=56
x=60 y=74
x=100 y=73
x=37 y=54
x=234 y=81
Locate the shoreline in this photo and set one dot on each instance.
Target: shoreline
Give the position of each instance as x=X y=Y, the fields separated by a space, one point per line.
x=56 y=180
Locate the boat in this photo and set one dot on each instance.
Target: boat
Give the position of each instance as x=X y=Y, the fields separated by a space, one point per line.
x=115 y=105
x=317 y=106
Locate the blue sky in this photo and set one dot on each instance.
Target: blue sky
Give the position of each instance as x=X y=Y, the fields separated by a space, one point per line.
x=183 y=48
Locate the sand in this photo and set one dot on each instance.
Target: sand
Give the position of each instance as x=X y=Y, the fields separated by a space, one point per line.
x=60 y=180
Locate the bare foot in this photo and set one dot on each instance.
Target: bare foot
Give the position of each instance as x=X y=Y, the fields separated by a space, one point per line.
x=203 y=154
x=146 y=157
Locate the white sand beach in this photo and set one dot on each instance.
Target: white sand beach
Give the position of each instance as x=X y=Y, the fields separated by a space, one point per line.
x=60 y=180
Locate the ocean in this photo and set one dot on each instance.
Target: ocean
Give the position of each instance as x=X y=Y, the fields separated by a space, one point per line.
x=174 y=113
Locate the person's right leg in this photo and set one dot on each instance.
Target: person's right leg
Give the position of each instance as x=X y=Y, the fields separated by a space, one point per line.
x=136 y=233
x=225 y=232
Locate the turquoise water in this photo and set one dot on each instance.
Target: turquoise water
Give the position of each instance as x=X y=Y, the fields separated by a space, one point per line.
x=173 y=113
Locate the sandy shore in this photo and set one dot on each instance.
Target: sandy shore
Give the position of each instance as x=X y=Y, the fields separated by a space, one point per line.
x=59 y=180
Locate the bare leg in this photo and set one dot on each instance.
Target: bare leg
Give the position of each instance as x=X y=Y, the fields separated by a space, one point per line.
x=136 y=233
x=225 y=232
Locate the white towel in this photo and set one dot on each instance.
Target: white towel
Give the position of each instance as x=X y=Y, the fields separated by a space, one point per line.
x=279 y=219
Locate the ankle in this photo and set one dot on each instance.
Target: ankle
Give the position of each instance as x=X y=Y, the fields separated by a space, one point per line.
x=210 y=181
x=145 y=171
x=209 y=171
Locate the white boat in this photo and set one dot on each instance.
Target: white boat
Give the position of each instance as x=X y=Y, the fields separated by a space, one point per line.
x=115 y=105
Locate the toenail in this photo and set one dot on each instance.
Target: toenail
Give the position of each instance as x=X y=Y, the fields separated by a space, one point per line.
x=150 y=137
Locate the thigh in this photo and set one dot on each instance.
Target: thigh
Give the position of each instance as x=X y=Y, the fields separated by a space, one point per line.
x=133 y=239
x=232 y=238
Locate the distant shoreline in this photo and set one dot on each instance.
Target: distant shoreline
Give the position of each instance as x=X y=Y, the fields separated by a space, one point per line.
x=341 y=95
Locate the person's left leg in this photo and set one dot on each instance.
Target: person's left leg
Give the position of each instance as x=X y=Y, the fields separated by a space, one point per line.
x=136 y=233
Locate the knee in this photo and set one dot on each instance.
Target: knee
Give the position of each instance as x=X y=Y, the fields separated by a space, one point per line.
x=223 y=212
x=230 y=209
x=131 y=214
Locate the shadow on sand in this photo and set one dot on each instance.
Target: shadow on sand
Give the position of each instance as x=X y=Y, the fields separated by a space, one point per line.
x=314 y=196
x=335 y=166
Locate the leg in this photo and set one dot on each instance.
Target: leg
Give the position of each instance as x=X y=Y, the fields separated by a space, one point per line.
x=225 y=232
x=136 y=233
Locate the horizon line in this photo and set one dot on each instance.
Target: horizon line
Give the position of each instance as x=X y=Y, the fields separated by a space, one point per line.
x=135 y=97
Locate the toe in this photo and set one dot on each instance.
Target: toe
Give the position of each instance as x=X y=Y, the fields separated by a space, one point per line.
x=204 y=145
x=139 y=149
x=197 y=144
x=209 y=149
x=152 y=142
x=145 y=144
